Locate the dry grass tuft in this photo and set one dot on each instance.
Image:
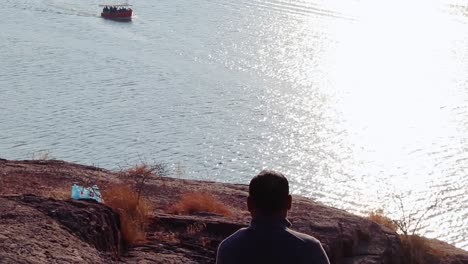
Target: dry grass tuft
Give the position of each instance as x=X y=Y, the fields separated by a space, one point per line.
x=191 y=203
x=378 y=217
x=58 y=194
x=418 y=250
x=134 y=211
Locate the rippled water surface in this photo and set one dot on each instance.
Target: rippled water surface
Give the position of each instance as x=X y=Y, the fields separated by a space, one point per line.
x=358 y=102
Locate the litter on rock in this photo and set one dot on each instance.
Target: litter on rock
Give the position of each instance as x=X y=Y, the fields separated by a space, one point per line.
x=81 y=192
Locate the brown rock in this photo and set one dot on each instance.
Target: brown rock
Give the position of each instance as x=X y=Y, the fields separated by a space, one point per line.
x=27 y=240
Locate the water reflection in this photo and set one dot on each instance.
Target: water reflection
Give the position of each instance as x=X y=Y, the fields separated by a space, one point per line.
x=399 y=81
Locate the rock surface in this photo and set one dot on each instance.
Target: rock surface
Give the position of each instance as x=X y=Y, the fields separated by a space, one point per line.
x=35 y=229
x=39 y=230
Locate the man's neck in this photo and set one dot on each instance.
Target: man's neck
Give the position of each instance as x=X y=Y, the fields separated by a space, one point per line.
x=274 y=215
x=270 y=222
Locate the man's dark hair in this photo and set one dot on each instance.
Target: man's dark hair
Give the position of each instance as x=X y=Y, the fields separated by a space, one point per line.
x=269 y=191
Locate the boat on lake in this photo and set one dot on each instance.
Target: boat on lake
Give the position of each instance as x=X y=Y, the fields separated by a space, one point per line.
x=120 y=12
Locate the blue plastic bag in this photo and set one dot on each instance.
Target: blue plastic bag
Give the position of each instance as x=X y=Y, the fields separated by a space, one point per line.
x=80 y=192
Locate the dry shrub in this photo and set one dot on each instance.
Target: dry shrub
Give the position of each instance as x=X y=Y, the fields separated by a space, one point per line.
x=134 y=211
x=191 y=203
x=418 y=250
x=138 y=175
x=140 y=170
x=378 y=217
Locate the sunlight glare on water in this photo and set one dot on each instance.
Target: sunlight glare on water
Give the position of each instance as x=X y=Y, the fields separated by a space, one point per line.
x=398 y=81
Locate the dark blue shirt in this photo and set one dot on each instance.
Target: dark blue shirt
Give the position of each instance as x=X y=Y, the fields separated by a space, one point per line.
x=270 y=242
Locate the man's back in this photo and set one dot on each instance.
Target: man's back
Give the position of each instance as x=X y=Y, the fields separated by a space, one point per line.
x=270 y=241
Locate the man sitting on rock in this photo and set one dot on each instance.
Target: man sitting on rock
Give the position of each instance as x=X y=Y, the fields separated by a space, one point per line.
x=268 y=239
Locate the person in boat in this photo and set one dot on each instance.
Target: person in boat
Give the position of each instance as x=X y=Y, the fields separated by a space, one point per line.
x=268 y=239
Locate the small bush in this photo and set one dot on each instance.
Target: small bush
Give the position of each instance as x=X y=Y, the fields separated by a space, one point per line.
x=134 y=211
x=378 y=217
x=191 y=203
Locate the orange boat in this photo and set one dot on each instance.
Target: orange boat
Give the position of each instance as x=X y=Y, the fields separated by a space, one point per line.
x=120 y=12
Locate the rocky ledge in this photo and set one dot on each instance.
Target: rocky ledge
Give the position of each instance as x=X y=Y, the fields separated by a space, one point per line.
x=35 y=228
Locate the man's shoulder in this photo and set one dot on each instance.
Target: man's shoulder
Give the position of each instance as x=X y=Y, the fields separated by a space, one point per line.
x=304 y=237
x=311 y=247
x=238 y=237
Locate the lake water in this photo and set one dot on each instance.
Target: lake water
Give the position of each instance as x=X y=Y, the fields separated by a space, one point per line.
x=357 y=102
